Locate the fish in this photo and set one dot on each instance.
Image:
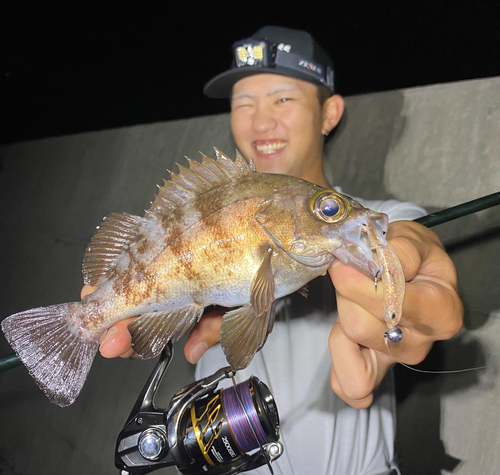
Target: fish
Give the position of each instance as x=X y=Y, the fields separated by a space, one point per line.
x=217 y=233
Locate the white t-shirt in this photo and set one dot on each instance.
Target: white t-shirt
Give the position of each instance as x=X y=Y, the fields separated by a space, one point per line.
x=320 y=432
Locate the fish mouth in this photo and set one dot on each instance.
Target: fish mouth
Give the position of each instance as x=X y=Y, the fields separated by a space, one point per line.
x=374 y=269
x=361 y=242
x=269 y=147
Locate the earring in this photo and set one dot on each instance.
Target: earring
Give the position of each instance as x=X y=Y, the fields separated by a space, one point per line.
x=326 y=133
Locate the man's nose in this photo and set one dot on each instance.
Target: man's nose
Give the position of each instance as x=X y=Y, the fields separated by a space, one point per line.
x=263 y=120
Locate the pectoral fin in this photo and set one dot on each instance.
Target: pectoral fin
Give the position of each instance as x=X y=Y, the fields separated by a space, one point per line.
x=152 y=331
x=244 y=330
x=304 y=291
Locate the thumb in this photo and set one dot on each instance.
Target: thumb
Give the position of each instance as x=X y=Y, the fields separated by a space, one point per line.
x=204 y=334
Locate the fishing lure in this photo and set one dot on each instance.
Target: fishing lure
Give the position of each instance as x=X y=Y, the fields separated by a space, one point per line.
x=393 y=281
x=394 y=290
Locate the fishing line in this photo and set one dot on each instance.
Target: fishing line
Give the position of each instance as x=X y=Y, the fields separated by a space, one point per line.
x=457 y=240
x=240 y=412
x=235 y=394
x=430 y=371
x=284 y=310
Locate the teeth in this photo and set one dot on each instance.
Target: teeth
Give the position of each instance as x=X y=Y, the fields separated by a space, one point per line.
x=271 y=147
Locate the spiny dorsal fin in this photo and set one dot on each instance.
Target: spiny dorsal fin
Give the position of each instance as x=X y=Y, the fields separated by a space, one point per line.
x=243 y=165
x=197 y=179
x=113 y=237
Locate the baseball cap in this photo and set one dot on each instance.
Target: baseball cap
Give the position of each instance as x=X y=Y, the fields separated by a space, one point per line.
x=278 y=50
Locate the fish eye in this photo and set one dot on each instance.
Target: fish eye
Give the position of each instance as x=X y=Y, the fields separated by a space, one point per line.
x=329 y=206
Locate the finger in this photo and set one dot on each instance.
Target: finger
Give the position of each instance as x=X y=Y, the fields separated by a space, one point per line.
x=421 y=253
x=86 y=290
x=205 y=334
x=356 y=370
x=116 y=341
x=431 y=306
x=359 y=325
x=363 y=329
x=362 y=403
x=432 y=309
x=421 y=256
x=357 y=287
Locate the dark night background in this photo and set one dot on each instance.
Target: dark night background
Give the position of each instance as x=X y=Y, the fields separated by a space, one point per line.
x=69 y=67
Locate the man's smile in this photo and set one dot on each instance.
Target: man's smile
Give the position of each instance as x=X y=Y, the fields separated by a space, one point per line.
x=268 y=147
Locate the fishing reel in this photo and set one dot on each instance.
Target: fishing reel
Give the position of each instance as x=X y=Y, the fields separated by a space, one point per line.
x=205 y=430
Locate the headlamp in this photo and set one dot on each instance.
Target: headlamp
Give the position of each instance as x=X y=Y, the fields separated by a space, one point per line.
x=253 y=53
x=264 y=54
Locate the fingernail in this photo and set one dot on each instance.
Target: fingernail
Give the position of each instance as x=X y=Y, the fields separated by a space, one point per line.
x=113 y=331
x=197 y=352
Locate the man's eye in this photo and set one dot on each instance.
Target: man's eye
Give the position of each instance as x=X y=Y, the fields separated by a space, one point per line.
x=283 y=99
x=239 y=106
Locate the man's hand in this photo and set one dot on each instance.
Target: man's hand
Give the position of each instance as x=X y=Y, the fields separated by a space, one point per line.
x=432 y=311
x=205 y=334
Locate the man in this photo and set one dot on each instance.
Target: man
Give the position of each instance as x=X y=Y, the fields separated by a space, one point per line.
x=282 y=106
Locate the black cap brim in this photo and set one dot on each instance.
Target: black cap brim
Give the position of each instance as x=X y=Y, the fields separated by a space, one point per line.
x=221 y=86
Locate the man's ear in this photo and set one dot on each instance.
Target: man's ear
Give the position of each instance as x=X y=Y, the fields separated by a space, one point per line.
x=333 y=108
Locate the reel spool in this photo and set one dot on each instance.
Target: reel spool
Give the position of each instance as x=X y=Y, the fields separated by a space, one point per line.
x=204 y=430
x=227 y=425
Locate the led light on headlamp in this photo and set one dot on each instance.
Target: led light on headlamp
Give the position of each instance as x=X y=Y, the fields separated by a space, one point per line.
x=251 y=54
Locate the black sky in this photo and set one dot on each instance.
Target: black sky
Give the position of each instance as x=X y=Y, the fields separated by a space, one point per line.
x=69 y=67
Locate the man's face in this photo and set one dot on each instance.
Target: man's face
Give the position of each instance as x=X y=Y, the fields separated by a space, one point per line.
x=277 y=121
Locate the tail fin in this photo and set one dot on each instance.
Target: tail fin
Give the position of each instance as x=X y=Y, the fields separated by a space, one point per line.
x=55 y=351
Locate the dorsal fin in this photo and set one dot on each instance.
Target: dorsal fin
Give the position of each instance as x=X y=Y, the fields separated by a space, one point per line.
x=197 y=179
x=243 y=165
x=118 y=232
x=113 y=237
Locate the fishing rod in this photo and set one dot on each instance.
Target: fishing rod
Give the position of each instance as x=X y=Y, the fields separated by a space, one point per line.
x=11 y=360
x=459 y=211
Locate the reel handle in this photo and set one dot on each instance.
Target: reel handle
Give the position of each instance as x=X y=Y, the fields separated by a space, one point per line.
x=142 y=445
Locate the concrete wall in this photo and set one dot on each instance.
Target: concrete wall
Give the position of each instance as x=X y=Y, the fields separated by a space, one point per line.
x=437 y=146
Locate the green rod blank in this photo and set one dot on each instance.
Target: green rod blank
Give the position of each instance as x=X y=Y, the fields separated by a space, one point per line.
x=9 y=361
x=458 y=211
